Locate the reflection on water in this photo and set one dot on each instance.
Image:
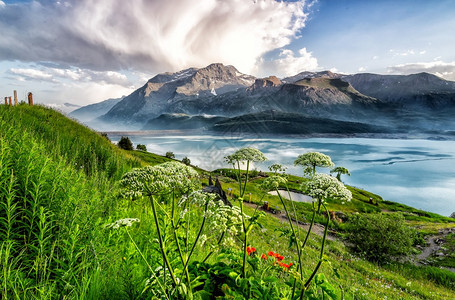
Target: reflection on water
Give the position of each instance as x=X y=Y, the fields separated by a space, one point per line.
x=417 y=173
x=294 y=196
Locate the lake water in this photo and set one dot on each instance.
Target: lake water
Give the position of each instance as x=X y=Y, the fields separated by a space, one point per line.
x=293 y=196
x=415 y=172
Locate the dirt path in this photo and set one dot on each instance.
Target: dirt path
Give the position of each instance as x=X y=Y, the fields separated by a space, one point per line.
x=433 y=247
x=317 y=229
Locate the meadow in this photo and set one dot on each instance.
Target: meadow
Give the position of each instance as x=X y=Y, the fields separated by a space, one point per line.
x=82 y=219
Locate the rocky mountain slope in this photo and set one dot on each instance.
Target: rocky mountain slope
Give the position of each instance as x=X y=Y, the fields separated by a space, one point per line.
x=404 y=102
x=161 y=93
x=417 y=91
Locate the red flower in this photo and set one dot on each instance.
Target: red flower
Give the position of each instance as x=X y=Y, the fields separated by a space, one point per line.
x=278 y=256
x=270 y=253
x=250 y=250
x=263 y=256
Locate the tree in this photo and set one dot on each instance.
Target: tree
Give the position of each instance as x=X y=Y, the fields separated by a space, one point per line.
x=125 y=143
x=186 y=161
x=311 y=160
x=339 y=171
x=170 y=154
x=141 y=147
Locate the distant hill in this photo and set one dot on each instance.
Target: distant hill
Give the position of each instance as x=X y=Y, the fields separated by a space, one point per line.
x=92 y=111
x=182 y=121
x=65 y=108
x=275 y=122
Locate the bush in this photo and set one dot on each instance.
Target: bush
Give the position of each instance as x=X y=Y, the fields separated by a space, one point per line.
x=170 y=154
x=141 y=147
x=125 y=143
x=186 y=161
x=381 y=237
x=104 y=135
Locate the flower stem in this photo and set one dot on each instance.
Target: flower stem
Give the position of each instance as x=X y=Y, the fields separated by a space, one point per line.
x=245 y=240
x=179 y=250
x=246 y=178
x=293 y=232
x=160 y=239
x=197 y=237
x=324 y=238
x=219 y=243
x=147 y=263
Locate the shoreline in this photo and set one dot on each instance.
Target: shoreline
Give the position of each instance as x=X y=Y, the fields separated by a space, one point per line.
x=190 y=132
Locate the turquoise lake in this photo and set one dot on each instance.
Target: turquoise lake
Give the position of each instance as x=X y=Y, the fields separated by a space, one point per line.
x=415 y=172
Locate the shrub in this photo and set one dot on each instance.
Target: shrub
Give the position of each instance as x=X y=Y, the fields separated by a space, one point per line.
x=170 y=154
x=125 y=143
x=141 y=147
x=186 y=161
x=381 y=237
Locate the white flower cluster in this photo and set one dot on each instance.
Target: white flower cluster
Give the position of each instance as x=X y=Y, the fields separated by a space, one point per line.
x=314 y=159
x=158 y=179
x=219 y=217
x=245 y=154
x=128 y=222
x=201 y=198
x=323 y=186
x=228 y=220
x=273 y=182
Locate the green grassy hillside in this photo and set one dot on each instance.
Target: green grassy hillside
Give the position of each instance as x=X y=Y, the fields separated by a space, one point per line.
x=60 y=188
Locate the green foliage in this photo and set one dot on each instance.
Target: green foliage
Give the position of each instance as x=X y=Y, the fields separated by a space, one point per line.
x=125 y=143
x=381 y=237
x=186 y=161
x=141 y=147
x=170 y=154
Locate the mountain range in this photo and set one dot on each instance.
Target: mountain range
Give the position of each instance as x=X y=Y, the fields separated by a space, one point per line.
x=220 y=98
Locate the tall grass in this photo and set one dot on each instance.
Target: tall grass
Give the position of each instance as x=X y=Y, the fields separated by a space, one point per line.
x=56 y=180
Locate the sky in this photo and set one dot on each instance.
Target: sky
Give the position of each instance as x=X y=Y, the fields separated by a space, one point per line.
x=84 y=51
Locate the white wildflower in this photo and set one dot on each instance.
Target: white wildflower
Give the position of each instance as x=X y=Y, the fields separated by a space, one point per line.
x=323 y=186
x=128 y=222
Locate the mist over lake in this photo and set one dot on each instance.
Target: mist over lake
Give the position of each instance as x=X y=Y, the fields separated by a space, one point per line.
x=415 y=172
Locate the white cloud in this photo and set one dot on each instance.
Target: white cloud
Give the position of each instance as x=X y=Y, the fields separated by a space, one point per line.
x=2 y=4
x=150 y=36
x=362 y=69
x=32 y=74
x=438 y=68
x=59 y=75
x=288 y=64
